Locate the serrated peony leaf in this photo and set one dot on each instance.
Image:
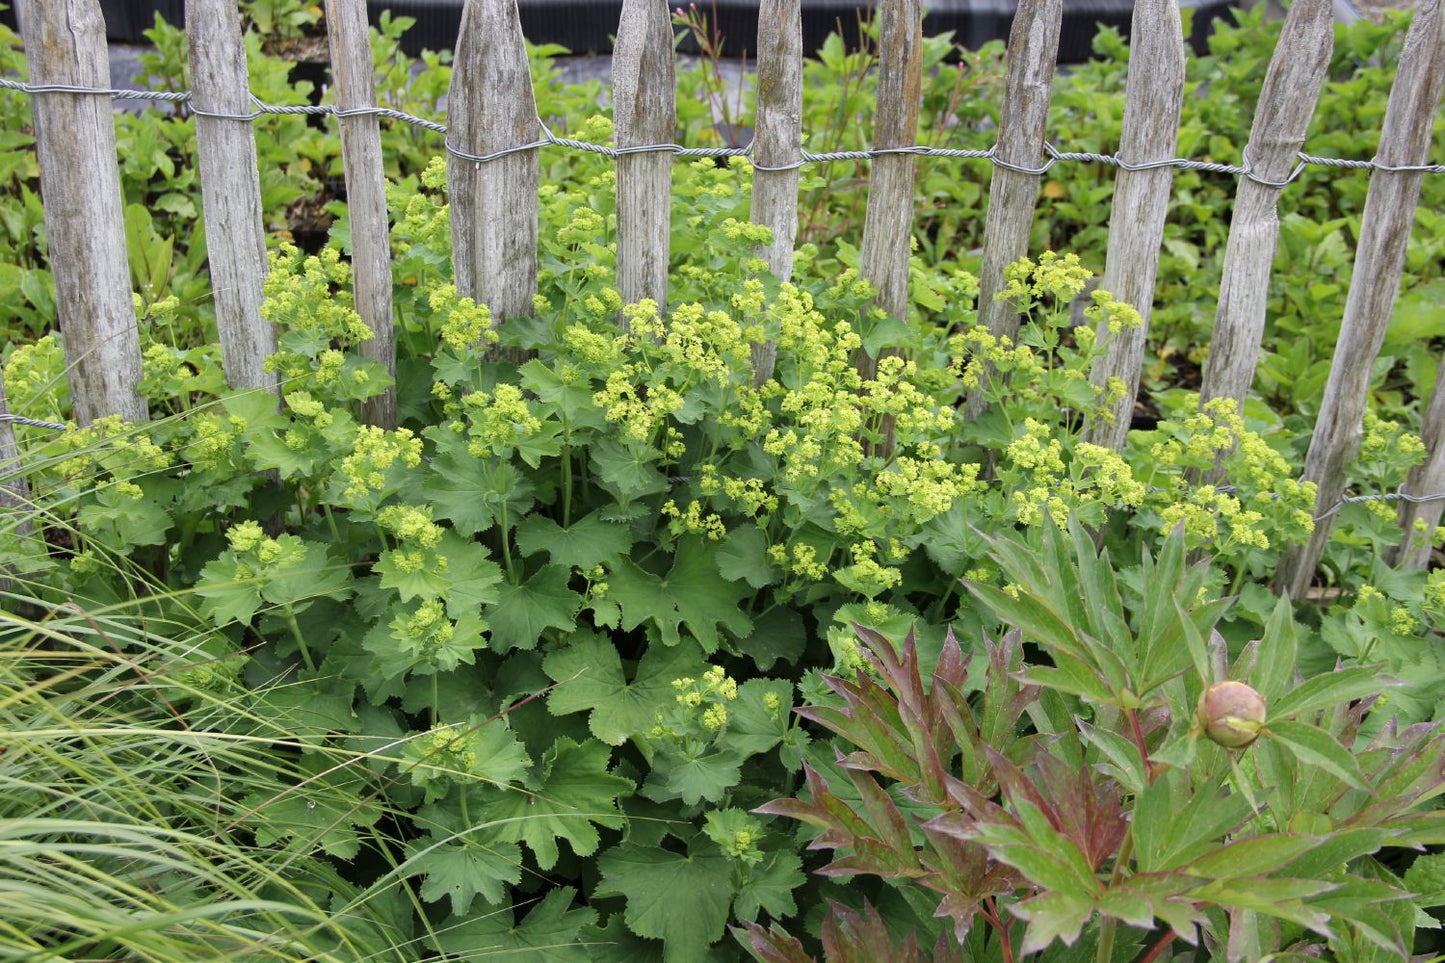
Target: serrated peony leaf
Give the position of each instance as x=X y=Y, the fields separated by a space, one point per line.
x=1052 y=916
x=681 y=900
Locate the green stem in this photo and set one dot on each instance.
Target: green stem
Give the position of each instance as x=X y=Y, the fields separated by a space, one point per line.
x=566 y=484
x=506 y=533
x=331 y=522
x=1106 y=929
x=432 y=709
x=300 y=639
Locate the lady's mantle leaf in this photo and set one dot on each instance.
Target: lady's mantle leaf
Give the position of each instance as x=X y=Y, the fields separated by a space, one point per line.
x=550 y=933
x=575 y=791
x=465 y=869
x=589 y=676
x=693 y=594
x=586 y=542
x=682 y=900
x=523 y=612
x=769 y=886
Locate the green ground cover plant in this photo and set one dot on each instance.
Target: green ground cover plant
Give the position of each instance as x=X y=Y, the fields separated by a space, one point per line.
x=606 y=655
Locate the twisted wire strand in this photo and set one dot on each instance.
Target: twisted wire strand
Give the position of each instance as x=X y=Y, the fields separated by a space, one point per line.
x=1052 y=154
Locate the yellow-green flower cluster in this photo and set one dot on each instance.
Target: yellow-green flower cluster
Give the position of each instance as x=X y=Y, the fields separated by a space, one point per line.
x=694 y=520
x=977 y=353
x=465 y=323
x=867 y=575
x=439 y=756
x=750 y=495
x=802 y=560
x=373 y=453
x=258 y=556
x=1268 y=504
x=1111 y=314
x=1061 y=278
x=1203 y=511
x=312 y=295
x=35 y=384
x=425 y=629
x=109 y=444
x=498 y=421
x=709 y=694
x=418 y=536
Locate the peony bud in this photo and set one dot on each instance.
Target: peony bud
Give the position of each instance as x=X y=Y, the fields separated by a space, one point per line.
x=1231 y=713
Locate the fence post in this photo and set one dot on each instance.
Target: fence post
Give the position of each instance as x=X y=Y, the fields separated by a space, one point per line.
x=494 y=203
x=80 y=191
x=1153 y=97
x=777 y=142
x=888 y=221
x=1379 y=262
x=1286 y=103
x=644 y=112
x=230 y=190
x=1033 y=49
x=351 y=70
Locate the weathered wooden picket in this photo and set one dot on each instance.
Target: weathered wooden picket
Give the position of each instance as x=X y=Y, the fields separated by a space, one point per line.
x=494 y=200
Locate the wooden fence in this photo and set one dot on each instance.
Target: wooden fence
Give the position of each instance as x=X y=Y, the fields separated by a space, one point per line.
x=491 y=110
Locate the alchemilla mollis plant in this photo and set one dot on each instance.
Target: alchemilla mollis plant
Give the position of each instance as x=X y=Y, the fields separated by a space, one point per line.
x=602 y=654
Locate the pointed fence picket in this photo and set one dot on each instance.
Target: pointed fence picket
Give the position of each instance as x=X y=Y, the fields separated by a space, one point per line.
x=494 y=202
x=230 y=190
x=644 y=114
x=777 y=146
x=80 y=191
x=888 y=220
x=1033 y=49
x=1379 y=263
x=494 y=136
x=1153 y=99
x=351 y=70
x=1281 y=119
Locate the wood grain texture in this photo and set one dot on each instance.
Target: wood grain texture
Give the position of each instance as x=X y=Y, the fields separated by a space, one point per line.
x=1153 y=97
x=499 y=215
x=1281 y=119
x=1033 y=49
x=351 y=71
x=80 y=190
x=1379 y=262
x=777 y=142
x=644 y=111
x=888 y=221
x=230 y=191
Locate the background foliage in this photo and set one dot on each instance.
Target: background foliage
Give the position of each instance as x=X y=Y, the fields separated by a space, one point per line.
x=519 y=677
